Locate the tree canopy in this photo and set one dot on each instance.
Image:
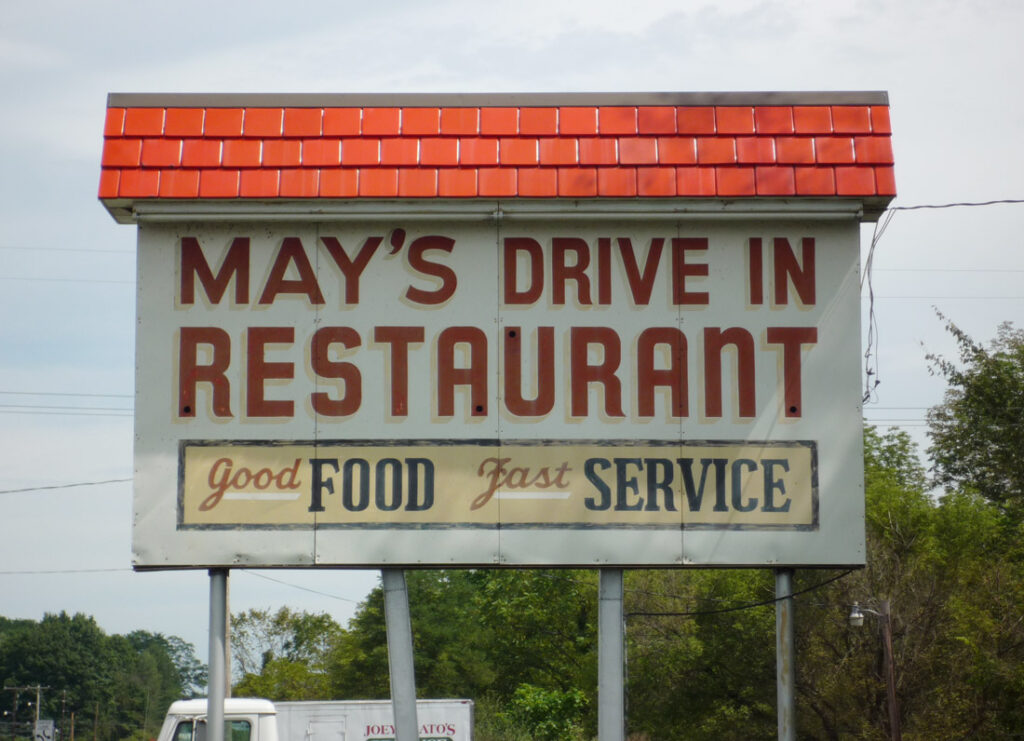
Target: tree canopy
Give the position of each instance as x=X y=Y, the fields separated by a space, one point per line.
x=977 y=433
x=116 y=687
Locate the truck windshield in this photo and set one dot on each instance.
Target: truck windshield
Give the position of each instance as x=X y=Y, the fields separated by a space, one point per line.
x=234 y=730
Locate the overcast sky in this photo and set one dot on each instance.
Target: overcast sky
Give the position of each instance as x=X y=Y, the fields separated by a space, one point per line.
x=67 y=270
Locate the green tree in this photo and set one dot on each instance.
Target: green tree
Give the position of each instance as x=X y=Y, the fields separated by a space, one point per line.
x=117 y=686
x=283 y=655
x=977 y=434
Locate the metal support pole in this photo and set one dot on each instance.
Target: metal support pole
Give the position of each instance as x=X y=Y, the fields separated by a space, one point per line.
x=895 y=733
x=611 y=713
x=216 y=673
x=785 y=655
x=400 y=661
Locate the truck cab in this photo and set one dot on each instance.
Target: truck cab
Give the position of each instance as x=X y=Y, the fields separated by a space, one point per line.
x=245 y=719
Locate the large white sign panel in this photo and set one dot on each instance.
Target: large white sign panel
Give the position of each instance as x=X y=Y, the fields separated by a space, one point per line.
x=379 y=393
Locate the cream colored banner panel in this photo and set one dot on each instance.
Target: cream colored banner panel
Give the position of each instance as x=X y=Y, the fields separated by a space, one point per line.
x=483 y=484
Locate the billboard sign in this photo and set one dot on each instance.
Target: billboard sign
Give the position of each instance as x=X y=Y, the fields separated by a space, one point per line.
x=534 y=391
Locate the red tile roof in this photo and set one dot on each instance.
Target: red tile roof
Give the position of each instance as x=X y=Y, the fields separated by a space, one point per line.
x=726 y=145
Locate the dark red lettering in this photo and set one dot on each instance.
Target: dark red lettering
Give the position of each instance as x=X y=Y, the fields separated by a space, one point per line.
x=399 y=338
x=235 y=264
x=190 y=373
x=475 y=376
x=583 y=373
x=420 y=264
x=324 y=367
x=715 y=340
x=259 y=370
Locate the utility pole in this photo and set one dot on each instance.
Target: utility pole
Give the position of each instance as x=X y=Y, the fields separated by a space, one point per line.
x=38 y=688
x=14 y=710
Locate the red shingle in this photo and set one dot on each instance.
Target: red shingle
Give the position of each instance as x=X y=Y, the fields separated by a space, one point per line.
x=697 y=182
x=282 y=152
x=378 y=183
x=259 y=184
x=144 y=122
x=495 y=182
x=638 y=151
x=735 y=181
x=321 y=152
x=578 y=182
x=360 y=152
x=263 y=122
x=473 y=151
x=242 y=152
x=421 y=122
x=339 y=182
x=114 y=123
x=855 y=181
x=851 y=119
x=161 y=152
x=499 y=121
x=184 y=122
x=404 y=152
x=613 y=120
x=717 y=150
x=456 y=182
x=755 y=150
x=218 y=184
x=413 y=183
x=122 y=152
x=179 y=184
x=109 y=181
x=695 y=120
x=580 y=120
x=734 y=119
x=880 y=120
x=873 y=150
x=222 y=122
x=342 y=121
x=381 y=121
x=300 y=183
x=815 y=181
x=599 y=152
x=775 y=181
x=812 y=119
x=139 y=184
x=518 y=152
x=538 y=182
x=438 y=151
x=201 y=153
x=564 y=151
x=656 y=120
x=677 y=150
x=303 y=121
x=460 y=121
x=885 y=181
x=833 y=150
x=616 y=182
x=773 y=119
x=538 y=121
x=656 y=182
x=794 y=150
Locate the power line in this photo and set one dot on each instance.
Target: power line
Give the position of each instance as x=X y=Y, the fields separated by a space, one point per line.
x=35 y=572
x=64 y=249
x=65 y=393
x=65 y=280
x=63 y=486
x=296 y=586
x=746 y=606
x=960 y=204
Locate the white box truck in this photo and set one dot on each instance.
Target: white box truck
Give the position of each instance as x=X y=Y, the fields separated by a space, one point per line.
x=250 y=719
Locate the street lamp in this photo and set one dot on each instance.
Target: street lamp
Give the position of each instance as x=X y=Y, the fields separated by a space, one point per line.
x=856 y=620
